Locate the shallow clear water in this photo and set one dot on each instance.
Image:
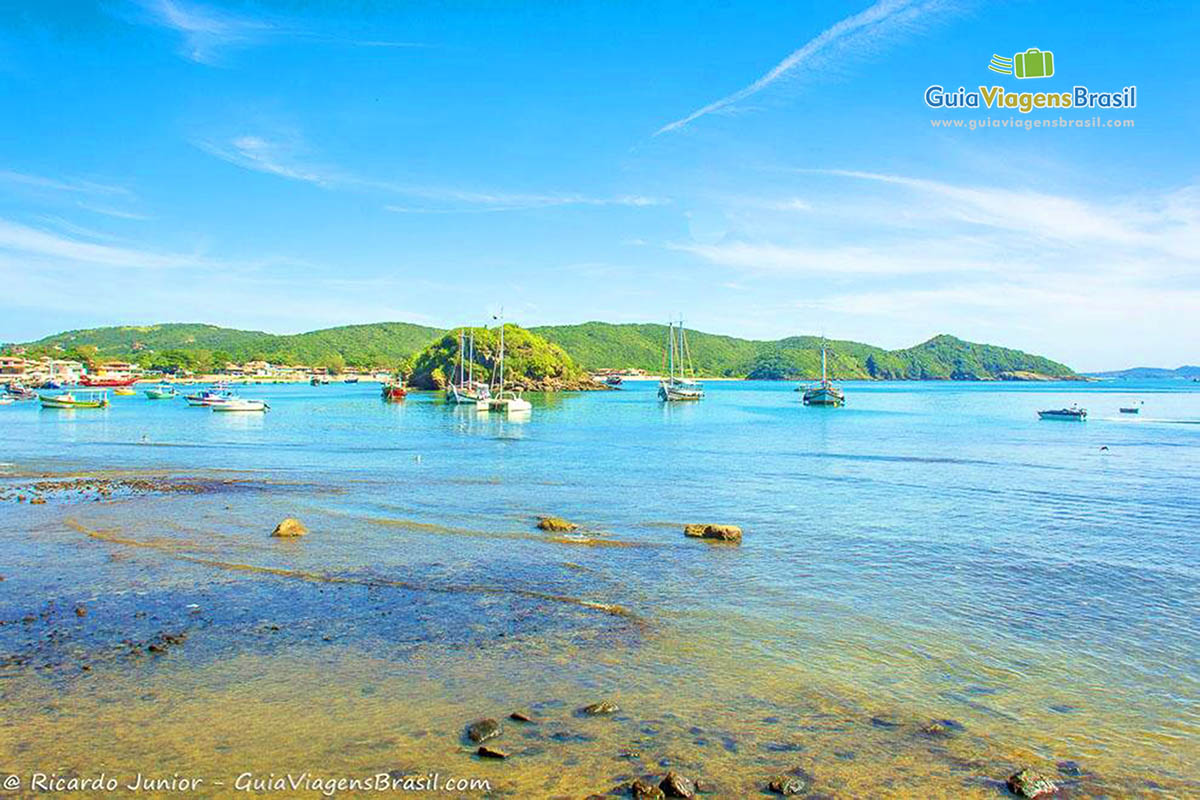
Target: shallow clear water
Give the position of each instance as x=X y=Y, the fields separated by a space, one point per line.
x=930 y=550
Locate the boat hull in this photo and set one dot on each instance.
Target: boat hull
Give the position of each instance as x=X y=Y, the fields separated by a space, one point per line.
x=824 y=396
x=1070 y=415
x=247 y=406
x=59 y=402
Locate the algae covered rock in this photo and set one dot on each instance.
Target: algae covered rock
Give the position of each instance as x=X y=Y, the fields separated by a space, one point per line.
x=483 y=730
x=716 y=533
x=1028 y=783
x=556 y=524
x=603 y=708
x=289 y=528
x=676 y=785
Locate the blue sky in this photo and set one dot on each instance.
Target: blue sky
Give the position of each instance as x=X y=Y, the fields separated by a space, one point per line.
x=766 y=169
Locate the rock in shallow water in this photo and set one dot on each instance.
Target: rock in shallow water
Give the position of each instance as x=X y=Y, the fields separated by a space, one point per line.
x=1030 y=784
x=717 y=533
x=520 y=716
x=675 y=785
x=289 y=528
x=787 y=785
x=643 y=790
x=556 y=524
x=491 y=752
x=483 y=730
x=600 y=709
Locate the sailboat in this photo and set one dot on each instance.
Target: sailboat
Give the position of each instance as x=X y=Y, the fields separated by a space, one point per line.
x=824 y=393
x=464 y=389
x=507 y=401
x=676 y=387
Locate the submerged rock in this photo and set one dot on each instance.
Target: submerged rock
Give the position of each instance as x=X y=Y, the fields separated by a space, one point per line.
x=1030 y=784
x=675 y=785
x=483 y=730
x=600 y=709
x=289 y=528
x=556 y=524
x=491 y=752
x=787 y=785
x=717 y=533
x=520 y=716
x=644 y=790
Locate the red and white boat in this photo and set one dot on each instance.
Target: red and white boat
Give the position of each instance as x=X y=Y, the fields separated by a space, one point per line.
x=89 y=380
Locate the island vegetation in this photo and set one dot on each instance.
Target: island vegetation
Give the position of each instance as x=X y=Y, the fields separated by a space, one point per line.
x=530 y=362
x=542 y=356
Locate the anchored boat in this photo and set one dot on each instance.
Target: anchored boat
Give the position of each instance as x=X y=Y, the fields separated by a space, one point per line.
x=680 y=385
x=508 y=401
x=394 y=389
x=74 y=400
x=238 y=404
x=464 y=389
x=209 y=397
x=1072 y=413
x=161 y=392
x=823 y=393
x=124 y=391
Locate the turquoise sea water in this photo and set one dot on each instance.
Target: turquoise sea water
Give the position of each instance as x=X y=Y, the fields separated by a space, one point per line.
x=931 y=546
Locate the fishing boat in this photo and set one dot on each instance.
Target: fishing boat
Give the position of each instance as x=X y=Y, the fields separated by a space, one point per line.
x=613 y=380
x=1132 y=409
x=394 y=389
x=239 y=404
x=507 y=401
x=74 y=400
x=680 y=385
x=105 y=383
x=124 y=391
x=823 y=393
x=1072 y=413
x=209 y=397
x=18 y=392
x=464 y=389
x=161 y=392
x=350 y=380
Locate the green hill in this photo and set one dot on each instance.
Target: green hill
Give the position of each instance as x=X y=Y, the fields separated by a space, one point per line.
x=530 y=361
x=590 y=346
x=598 y=345
x=383 y=344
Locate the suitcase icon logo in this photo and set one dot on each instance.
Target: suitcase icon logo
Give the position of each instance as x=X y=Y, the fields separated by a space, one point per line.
x=1033 y=63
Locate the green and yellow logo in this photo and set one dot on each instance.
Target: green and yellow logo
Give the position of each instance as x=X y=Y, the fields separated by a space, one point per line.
x=1033 y=63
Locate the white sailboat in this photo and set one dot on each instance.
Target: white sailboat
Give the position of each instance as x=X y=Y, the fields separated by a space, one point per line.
x=677 y=387
x=505 y=400
x=464 y=389
x=824 y=393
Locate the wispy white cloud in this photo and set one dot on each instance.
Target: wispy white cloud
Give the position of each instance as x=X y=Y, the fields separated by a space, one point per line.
x=75 y=186
x=285 y=158
x=208 y=30
x=866 y=31
x=205 y=30
x=25 y=240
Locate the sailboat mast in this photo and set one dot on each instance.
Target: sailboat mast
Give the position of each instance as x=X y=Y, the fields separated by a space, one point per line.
x=671 y=350
x=502 y=349
x=471 y=362
x=823 y=362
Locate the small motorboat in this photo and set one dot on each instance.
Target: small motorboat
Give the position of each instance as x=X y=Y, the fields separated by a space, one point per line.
x=508 y=402
x=1072 y=413
x=394 y=390
x=18 y=392
x=1132 y=409
x=318 y=380
x=124 y=391
x=73 y=400
x=350 y=380
x=238 y=404
x=161 y=392
x=51 y=385
x=613 y=380
x=209 y=397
